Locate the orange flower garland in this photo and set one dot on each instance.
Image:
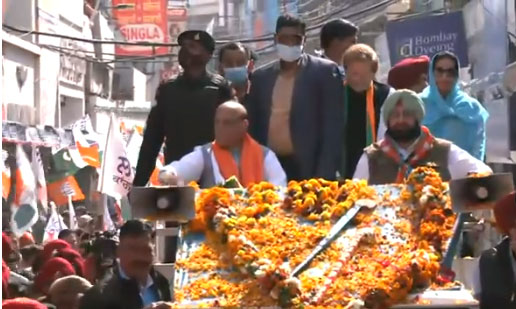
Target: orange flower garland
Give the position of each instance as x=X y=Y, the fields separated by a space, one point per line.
x=261 y=236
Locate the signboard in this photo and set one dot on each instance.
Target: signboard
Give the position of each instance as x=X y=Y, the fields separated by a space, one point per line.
x=177 y=19
x=141 y=21
x=73 y=69
x=428 y=36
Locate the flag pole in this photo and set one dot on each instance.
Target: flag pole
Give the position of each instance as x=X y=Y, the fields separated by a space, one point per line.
x=103 y=166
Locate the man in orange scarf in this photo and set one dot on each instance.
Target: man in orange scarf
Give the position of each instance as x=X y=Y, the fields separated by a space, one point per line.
x=364 y=97
x=407 y=144
x=233 y=153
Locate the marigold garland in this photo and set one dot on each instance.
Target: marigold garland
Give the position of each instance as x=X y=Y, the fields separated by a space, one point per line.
x=262 y=238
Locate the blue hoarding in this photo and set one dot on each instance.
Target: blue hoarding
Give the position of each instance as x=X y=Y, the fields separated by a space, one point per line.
x=428 y=36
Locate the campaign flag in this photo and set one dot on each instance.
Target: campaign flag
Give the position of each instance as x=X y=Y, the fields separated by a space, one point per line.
x=39 y=174
x=63 y=165
x=133 y=150
x=6 y=175
x=71 y=213
x=24 y=209
x=116 y=176
x=54 y=225
x=108 y=222
x=58 y=191
x=86 y=149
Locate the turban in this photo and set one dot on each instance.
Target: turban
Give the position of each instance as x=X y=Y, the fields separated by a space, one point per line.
x=505 y=213
x=54 y=245
x=22 y=303
x=406 y=72
x=74 y=258
x=410 y=101
x=49 y=271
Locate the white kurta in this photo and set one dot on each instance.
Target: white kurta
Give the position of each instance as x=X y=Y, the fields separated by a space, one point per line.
x=190 y=167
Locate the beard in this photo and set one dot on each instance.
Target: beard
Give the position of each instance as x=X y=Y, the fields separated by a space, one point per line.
x=404 y=134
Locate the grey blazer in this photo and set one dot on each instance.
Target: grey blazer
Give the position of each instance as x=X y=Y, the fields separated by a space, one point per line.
x=316 y=116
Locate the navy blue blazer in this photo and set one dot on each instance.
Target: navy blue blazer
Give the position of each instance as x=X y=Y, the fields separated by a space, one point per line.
x=316 y=116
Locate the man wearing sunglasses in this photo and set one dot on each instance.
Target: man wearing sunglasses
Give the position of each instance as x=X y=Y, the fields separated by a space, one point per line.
x=233 y=154
x=295 y=106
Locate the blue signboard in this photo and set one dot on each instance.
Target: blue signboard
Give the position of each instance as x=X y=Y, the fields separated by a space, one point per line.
x=428 y=36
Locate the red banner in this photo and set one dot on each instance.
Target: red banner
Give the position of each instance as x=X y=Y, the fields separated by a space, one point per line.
x=142 y=21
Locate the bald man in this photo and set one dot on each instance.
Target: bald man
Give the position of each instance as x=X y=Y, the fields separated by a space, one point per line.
x=233 y=153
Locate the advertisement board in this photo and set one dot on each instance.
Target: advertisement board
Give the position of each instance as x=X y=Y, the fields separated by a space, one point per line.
x=177 y=23
x=428 y=36
x=141 y=21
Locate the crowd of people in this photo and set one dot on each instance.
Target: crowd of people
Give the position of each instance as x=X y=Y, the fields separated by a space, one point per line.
x=302 y=116
x=317 y=116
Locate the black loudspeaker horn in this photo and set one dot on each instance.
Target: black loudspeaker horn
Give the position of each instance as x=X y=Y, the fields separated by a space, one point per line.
x=175 y=204
x=477 y=193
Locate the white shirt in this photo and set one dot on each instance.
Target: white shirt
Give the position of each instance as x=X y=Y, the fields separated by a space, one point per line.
x=460 y=163
x=189 y=168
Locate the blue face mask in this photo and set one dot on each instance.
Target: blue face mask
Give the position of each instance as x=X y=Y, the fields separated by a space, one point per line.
x=237 y=76
x=289 y=53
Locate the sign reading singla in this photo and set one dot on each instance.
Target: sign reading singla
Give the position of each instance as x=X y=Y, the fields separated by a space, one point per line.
x=142 y=33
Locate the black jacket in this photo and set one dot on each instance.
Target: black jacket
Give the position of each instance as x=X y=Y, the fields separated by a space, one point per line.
x=119 y=293
x=497 y=278
x=183 y=117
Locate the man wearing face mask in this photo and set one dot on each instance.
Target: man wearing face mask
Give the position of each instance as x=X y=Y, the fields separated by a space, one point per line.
x=236 y=64
x=295 y=106
x=185 y=106
x=407 y=145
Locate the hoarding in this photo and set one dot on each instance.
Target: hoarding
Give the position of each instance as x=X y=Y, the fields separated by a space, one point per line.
x=177 y=23
x=428 y=36
x=141 y=21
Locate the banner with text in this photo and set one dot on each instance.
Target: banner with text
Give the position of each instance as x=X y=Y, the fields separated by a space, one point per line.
x=142 y=21
x=428 y=36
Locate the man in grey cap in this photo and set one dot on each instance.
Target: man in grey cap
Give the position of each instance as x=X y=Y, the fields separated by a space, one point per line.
x=407 y=145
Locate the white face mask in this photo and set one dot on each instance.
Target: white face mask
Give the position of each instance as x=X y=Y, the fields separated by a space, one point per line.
x=289 y=53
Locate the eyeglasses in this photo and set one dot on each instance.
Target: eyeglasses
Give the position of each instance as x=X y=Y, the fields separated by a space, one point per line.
x=450 y=71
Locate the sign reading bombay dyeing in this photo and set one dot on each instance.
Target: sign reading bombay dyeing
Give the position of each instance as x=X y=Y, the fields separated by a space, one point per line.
x=428 y=36
x=142 y=21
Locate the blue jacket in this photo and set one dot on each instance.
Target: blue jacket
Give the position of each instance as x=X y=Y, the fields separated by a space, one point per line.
x=316 y=116
x=458 y=118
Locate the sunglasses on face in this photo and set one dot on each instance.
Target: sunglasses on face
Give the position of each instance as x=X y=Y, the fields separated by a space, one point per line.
x=449 y=71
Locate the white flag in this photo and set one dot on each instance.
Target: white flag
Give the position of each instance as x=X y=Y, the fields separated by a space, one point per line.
x=133 y=148
x=116 y=176
x=24 y=208
x=39 y=174
x=71 y=213
x=108 y=222
x=55 y=224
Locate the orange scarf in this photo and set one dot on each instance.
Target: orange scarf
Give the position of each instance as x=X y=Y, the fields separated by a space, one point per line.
x=251 y=162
